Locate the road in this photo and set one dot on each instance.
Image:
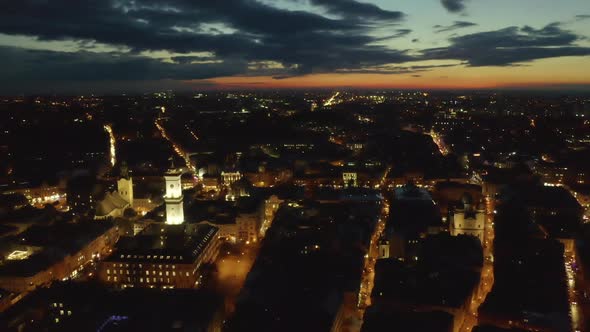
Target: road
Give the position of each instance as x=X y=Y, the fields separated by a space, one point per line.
x=487 y=273
x=330 y=101
x=368 y=276
x=575 y=285
x=176 y=147
x=438 y=140
x=233 y=265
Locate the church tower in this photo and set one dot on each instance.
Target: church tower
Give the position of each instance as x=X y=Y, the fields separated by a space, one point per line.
x=125 y=184
x=173 y=197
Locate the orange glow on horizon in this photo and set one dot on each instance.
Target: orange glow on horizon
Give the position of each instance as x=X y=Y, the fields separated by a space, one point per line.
x=548 y=72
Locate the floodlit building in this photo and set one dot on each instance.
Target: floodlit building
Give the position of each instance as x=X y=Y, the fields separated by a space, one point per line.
x=174 y=197
x=116 y=202
x=383 y=248
x=162 y=256
x=350 y=179
x=468 y=219
x=227 y=178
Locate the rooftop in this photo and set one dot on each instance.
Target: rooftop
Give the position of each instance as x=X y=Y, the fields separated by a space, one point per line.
x=165 y=243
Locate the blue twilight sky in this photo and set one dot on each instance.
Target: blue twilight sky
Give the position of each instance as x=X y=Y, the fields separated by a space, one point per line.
x=134 y=45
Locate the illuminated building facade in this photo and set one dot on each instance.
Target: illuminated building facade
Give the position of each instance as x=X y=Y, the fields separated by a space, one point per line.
x=350 y=179
x=228 y=178
x=162 y=256
x=468 y=220
x=174 y=197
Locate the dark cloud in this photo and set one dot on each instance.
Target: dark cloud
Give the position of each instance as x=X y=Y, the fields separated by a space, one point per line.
x=22 y=65
x=456 y=25
x=248 y=30
x=582 y=17
x=243 y=37
x=454 y=6
x=398 y=33
x=395 y=70
x=355 y=9
x=510 y=46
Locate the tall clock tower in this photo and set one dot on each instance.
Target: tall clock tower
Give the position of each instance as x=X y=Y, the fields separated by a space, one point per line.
x=174 y=198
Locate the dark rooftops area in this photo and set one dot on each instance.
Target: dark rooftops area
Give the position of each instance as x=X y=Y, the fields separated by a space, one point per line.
x=461 y=251
x=379 y=319
x=522 y=275
x=177 y=242
x=529 y=274
x=29 y=214
x=450 y=194
x=149 y=156
x=490 y=328
x=348 y=194
x=552 y=211
x=515 y=175
x=30 y=266
x=56 y=241
x=310 y=257
x=413 y=211
x=68 y=236
x=91 y=307
x=409 y=152
x=7 y=229
x=547 y=197
x=421 y=285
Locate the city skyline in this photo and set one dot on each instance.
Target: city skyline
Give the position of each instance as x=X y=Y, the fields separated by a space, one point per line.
x=148 y=45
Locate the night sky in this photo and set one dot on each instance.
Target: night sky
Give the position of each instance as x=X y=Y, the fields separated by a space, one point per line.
x=107 y=46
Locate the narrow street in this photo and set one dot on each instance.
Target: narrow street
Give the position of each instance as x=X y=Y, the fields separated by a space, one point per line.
x=176 y=147
x=487 y=272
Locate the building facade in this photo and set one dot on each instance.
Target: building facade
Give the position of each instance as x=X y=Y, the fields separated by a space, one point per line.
x=169 y=262
x=174 y=197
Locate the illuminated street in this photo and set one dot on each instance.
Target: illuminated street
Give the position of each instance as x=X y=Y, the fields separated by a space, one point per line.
x=233 y=264
x=367 y=278
x=439 y=141
x=332 y=99
x=176 y=147
x=487 y=274
x=575 y=290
